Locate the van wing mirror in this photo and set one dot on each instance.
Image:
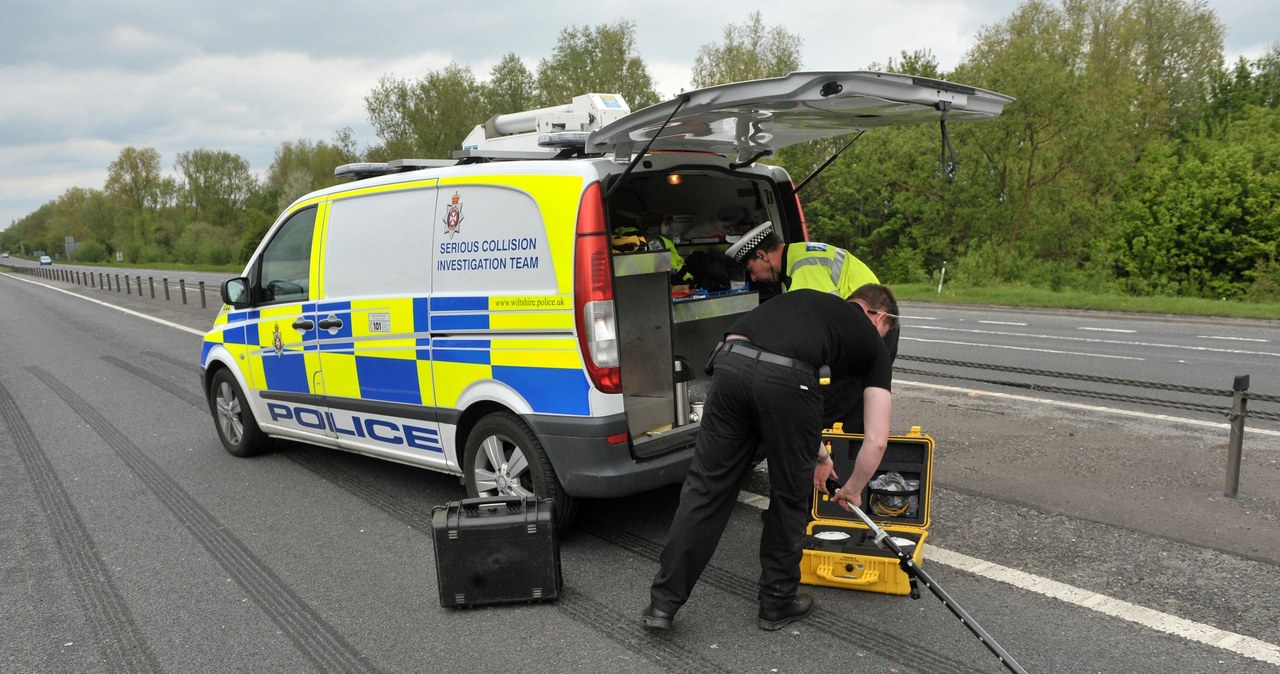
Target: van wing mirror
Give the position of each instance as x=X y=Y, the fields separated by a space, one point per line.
x=235 y=291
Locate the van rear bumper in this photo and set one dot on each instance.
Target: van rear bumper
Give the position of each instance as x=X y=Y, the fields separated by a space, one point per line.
x=590 y=467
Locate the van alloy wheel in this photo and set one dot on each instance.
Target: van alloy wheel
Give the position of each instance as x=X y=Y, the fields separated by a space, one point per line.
x=501 y=468
x=237 y=428
x=504 y=458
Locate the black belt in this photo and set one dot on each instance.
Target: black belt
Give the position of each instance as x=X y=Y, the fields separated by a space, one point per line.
x=744 y=348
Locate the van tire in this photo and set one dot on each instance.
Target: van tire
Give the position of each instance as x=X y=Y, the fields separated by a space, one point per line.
x=503 y=457
x=236 y=425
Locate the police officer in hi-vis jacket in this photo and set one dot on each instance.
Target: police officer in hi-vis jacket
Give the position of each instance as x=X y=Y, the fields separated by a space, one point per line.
x=816 y=266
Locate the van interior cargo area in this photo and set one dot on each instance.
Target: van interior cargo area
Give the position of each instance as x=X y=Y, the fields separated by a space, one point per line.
x=667 y=318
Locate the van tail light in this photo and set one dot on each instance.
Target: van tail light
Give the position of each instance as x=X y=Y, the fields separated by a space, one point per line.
x=594 y=309
x=804 y=226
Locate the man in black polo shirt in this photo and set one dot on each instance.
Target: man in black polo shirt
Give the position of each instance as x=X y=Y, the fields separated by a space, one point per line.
x=765 y=394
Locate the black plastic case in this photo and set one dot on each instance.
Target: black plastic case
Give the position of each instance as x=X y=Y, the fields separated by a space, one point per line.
x=495 y=550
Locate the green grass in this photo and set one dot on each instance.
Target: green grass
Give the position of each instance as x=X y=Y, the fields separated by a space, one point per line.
x=1048 y=299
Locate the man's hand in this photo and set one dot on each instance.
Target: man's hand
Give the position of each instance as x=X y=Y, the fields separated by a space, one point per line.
x=821 y=472
x=845 y=497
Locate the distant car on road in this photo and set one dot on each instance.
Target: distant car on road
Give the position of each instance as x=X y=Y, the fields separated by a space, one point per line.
x=45 y=259
x=4 y=254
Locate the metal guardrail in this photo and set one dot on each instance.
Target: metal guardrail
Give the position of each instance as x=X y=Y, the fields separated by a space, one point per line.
x=125 y=283
x=1236 y=413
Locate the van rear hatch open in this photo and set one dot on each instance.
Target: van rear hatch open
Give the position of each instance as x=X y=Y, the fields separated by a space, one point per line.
x=741 y=120
x=702 y=202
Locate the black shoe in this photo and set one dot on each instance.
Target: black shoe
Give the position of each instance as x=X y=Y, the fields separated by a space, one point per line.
x=777 y=618
x=657 y=619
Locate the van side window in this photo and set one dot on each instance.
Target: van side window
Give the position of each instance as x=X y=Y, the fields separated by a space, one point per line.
x=285 y=272
x=380 y=244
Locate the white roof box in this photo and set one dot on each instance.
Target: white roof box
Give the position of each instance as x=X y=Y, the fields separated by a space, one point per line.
x=543 y=132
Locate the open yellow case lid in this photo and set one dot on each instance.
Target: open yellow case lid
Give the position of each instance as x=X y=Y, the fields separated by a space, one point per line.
x=899 y=507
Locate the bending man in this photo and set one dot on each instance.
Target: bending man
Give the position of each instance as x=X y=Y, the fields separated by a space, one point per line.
x=765 y=395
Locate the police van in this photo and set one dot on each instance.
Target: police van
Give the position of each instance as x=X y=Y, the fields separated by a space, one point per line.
x=513 y=314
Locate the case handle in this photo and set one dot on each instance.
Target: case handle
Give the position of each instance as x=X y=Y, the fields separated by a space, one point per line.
x=826 y=571
x=509 y=500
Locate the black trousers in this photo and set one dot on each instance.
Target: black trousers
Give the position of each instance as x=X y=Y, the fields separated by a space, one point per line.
x=750 y=405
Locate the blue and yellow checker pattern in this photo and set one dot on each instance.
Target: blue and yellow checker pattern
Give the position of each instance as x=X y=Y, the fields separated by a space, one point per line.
x=382 y=350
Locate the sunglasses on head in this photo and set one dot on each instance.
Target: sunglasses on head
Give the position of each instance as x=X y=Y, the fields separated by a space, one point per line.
x=873 y=312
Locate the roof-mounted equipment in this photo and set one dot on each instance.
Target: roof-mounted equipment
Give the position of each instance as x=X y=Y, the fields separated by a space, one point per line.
x=372 y=169
x=545 y=132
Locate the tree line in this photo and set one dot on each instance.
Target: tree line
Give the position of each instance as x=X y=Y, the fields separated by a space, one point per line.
x=1134 y=160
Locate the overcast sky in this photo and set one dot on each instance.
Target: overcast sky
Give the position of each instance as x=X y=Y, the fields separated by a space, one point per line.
x=82 y=79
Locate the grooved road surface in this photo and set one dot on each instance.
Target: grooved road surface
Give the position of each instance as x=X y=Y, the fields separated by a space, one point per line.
x=133 y=543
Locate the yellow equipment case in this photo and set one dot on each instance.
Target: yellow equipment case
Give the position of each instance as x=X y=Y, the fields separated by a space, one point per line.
x=839 y=549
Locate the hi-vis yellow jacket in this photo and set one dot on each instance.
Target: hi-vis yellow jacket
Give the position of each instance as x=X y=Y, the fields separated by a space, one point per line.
x=826 y=268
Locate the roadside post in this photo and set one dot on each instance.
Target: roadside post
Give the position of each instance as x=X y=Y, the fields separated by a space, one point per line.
x=1235 y=447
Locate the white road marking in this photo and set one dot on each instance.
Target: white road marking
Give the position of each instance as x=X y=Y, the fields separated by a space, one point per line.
x=1233 y=339
x=1094 y=340
x=1023 y=325
x=1106 y=329
x=1209 y=635
x=1020 y=348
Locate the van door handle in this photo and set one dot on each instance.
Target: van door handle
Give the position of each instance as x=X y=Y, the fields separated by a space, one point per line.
x=303 y=325
x=330 y=323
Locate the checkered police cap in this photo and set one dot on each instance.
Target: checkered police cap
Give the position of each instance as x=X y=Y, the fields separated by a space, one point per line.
x=743 y=247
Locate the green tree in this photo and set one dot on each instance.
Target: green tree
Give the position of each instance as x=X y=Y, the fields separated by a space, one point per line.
x=91 y=250
x=511 y=87
x=887 y=200
x=1201 y=217
x=1248 y=83
x=602 y=59
x=27 y=234
x=920 y=62
x=304 y=166
x=750 y=51
x=1268 y=77
x=67 y=217
x=1055 y=156
x=1231 y=92
x=216 y=185
x=135 y=179
x=427 y=118
x=1039 y=55
x=203 y=243
x=1178 y=45
x=1097 y=82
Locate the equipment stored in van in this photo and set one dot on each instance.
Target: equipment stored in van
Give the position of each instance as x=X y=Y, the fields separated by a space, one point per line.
x=500 y=315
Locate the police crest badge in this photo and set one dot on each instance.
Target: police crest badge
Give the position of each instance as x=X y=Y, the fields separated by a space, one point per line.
x=453 y=216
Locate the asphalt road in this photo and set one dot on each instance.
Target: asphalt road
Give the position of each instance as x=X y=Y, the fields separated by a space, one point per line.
x=1156 y=358
x=1082 y=540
